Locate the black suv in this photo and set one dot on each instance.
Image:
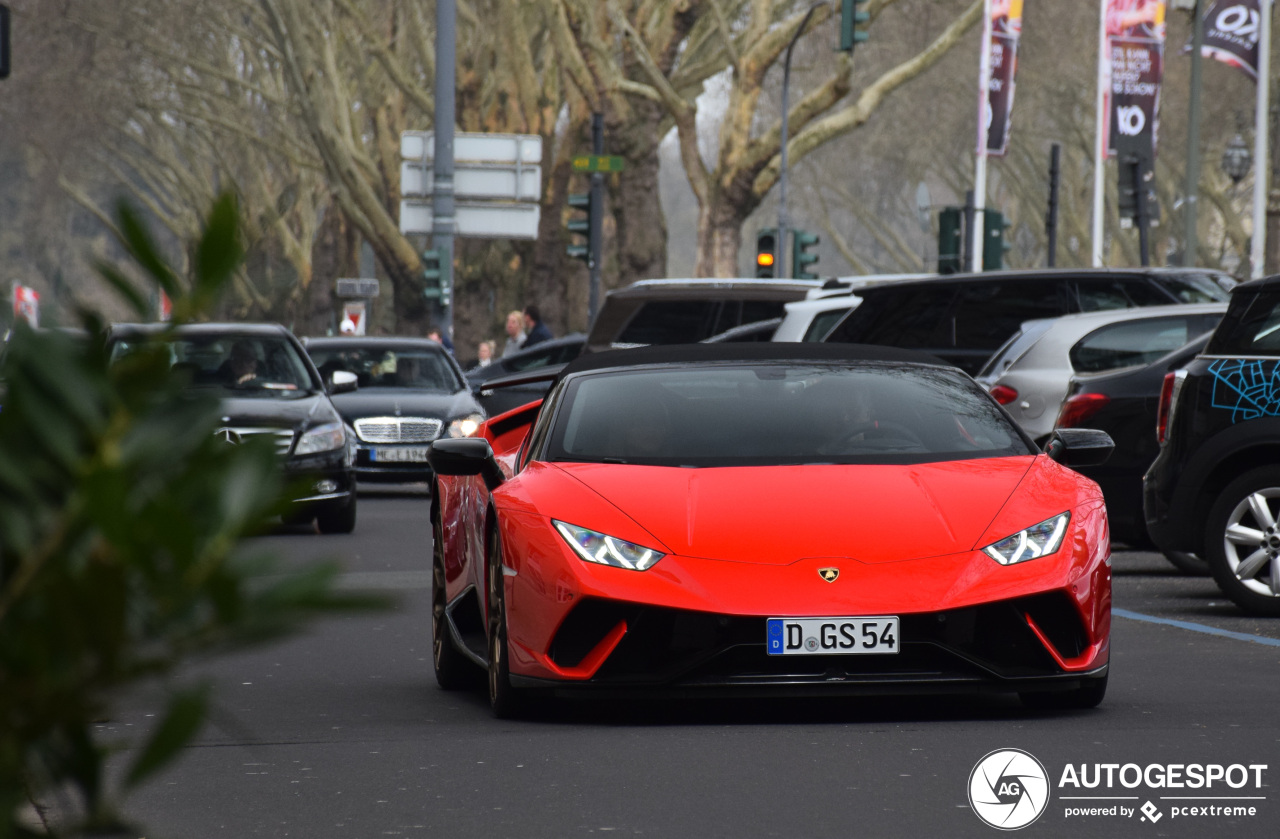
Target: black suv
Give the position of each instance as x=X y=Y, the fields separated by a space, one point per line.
x=1214 y=488
x=964 y=318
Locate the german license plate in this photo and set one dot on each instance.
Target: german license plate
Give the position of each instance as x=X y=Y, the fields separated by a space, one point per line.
x=415 y=454
x=832 y=636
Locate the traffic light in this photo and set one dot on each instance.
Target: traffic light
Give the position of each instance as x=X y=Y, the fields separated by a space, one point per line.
x=4 y=41
x=433 y=287
x=950 y=240
x=581 y=226
x=850 y=18
x=766 y=253
x=801 y=259
x=996 y=243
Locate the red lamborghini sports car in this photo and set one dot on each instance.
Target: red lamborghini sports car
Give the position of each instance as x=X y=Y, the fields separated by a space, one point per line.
x=769 y=519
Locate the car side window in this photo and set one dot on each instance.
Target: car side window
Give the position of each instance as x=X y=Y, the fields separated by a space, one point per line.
x=988 y=313
x=1098 y=294
x=823 y=322
x=900 y=317
x=671 y=322
x=531 y=361
x=1251 y=326
x=1131 y=343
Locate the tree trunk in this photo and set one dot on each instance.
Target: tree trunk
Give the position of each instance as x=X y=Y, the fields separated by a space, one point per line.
x=720 y=237
x=641 y=238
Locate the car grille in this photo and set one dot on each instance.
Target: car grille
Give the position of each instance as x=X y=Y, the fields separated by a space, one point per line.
x=238 y=434
x=398 y=429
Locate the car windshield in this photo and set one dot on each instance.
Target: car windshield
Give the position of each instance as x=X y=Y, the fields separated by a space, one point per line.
x=772 y=413
x=403 y=368
x=265 y=366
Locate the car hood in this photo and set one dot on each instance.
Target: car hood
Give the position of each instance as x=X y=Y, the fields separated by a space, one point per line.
x=399 y=402
x=777 y=515
x=292 y=411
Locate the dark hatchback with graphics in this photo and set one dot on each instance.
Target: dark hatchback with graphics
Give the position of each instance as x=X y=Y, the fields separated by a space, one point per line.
x=268 y=386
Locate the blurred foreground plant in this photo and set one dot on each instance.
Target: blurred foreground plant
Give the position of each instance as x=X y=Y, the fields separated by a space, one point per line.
x=121 y=517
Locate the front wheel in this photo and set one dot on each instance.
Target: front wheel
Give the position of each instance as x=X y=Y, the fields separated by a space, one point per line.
x=1189 y=564
x=452 y=669
x=338 y=520
x=1242 y=541
x=505 y=701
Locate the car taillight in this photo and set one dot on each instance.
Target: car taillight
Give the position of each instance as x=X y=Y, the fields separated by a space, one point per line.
x=1079 y=408
x=1004 y=394
x=1168 y=395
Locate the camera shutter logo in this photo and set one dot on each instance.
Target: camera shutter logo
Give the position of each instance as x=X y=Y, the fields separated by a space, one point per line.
x=1008 y=789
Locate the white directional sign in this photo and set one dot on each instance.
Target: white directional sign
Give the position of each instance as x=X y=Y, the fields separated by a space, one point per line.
x=476 y=180
x=478 y=219
x=497 y=179
x=525 y=149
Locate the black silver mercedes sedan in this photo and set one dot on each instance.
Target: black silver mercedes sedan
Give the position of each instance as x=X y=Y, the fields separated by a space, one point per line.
x=410 y=392
x=267 y=387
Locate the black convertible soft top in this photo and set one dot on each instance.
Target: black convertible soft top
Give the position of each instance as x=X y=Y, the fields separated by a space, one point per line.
x=746 y=351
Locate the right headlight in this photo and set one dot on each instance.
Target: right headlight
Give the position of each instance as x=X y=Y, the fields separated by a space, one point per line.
x=1036 y=541
x=600 y=549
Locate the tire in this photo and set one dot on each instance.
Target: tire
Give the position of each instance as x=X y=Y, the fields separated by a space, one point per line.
x=298 y=518
x=1246 y=565
x=339 y=520
x=1189 y=564
x=1088 y=695
x=505 y=701
x=453 y=670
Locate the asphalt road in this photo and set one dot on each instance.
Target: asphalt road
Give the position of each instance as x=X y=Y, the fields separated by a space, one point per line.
x=342 y=732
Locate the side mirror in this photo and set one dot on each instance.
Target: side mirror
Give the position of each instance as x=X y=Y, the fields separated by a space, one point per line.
x=342 y=382
x=466 y=456
x=1079 y=446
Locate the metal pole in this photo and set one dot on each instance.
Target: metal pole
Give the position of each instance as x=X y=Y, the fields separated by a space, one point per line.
x=595 y=235
x=782 y=270
x=969 y=216
x=1258 y=251
x=1190 y=202
x=1051 y=218
x=1143 y=222
x=1100 y=126
x=975 y=232
x=443 y=222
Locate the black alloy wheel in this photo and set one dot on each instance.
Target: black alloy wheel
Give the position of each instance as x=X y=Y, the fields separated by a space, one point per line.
x=453 y=670
x=505 y=701
x=1242 y=541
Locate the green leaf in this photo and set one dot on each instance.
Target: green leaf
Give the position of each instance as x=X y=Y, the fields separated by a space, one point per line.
x=181 y=721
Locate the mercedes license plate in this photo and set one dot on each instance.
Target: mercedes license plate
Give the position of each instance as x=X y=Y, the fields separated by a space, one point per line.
x=832 y=636
x=415 y=454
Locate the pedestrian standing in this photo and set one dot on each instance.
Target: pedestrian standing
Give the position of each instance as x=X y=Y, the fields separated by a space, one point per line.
x=484 y=352
x=515 y=332
x=537 y=330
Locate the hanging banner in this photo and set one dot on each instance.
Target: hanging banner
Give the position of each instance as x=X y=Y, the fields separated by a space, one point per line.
x=26 y=304
x=1231 y=29
x=1135 y=32
x=1006 y=28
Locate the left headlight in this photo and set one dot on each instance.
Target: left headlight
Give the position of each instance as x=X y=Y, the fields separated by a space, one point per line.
x=322 y=438
x=1036 y=541
x=465 y=426
x=596 y=547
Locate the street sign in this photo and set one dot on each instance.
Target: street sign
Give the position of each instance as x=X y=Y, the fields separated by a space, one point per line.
x=475 y=219
x=598 y=163
x=525 y=149
x=357 y=287
x=501 y=181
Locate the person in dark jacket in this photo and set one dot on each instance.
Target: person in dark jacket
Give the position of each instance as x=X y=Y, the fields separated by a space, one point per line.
x=536 y=330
